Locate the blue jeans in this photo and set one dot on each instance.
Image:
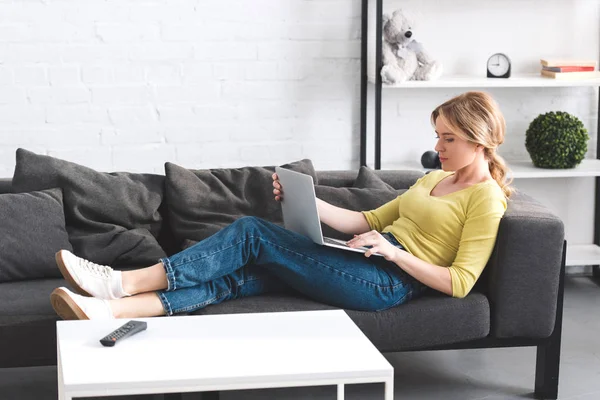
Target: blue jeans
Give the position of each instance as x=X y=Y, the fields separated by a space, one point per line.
x=253 y=256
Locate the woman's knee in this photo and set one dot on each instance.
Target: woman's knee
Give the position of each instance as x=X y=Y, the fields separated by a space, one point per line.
x=251 y=225
x=250 y=221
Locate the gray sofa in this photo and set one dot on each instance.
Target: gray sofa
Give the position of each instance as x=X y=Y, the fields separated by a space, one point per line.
x=516 y=302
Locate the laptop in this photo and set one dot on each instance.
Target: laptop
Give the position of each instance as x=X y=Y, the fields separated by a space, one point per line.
x=300 y=213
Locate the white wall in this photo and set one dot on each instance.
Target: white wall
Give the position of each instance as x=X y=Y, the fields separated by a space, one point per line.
x=130 y=84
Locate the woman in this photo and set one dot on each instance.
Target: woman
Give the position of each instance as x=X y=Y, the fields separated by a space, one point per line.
x=439 y=234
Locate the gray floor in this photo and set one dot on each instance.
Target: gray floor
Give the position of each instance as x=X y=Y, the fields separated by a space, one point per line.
x=450 y=375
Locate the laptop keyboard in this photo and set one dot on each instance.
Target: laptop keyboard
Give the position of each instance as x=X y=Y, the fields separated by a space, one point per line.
x=335 y=241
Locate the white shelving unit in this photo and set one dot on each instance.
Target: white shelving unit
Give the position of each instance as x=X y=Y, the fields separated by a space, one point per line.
x=583 y=254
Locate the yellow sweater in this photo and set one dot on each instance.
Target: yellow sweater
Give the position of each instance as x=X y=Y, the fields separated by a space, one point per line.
x=457 y=230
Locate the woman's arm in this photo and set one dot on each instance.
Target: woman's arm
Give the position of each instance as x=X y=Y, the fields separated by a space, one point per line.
x=434 y=276
x=340 y=219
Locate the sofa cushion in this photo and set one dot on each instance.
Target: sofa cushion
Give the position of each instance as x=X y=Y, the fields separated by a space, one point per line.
x=28 y=323
x=27 y=318
x=111 y=218
x=27 y=300
x=202 y=202
x=32 y=230
x=367 y=178
x=428 y=321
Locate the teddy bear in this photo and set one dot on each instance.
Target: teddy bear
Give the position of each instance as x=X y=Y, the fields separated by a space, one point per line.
x=403 y=57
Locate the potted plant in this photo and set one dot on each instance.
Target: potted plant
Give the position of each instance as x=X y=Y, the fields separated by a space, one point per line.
x=556 y=140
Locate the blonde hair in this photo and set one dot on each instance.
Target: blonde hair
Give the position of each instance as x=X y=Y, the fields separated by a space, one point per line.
x=476 y=117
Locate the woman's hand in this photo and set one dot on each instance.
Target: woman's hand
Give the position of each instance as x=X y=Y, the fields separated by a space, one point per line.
x=377 y=243
x=278 y=191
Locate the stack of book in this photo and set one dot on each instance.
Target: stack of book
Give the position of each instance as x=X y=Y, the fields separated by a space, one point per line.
x=569 y=69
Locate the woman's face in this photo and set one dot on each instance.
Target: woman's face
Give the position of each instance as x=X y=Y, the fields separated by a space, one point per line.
x=454 y=152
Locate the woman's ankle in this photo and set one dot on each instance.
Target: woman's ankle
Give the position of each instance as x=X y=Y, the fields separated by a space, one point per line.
x=113 y=306
x=127 y=283
x=144 y=280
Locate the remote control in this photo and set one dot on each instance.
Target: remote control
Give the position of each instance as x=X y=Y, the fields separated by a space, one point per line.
x=129 y=329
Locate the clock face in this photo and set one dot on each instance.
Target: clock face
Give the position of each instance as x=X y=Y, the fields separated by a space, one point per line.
x=498 y=64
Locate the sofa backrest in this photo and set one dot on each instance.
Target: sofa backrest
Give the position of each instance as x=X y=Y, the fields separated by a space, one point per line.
x=345 y=178
x=396 y=179
x=5 y=186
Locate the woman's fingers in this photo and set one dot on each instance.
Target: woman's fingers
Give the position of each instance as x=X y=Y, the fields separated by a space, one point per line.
x=276 y=184
x=366 y=239
x=277 y=191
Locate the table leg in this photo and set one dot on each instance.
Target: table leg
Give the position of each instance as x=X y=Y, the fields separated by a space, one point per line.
x=61 y=387
x=61 y=392
x=340 y=391
x=389 y=389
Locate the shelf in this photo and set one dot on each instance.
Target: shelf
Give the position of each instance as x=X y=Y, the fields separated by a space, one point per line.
x=583 y=254
x=525 y=169
x=466 y=81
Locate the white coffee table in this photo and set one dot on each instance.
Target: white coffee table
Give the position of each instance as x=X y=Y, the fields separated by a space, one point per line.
x=219 y=352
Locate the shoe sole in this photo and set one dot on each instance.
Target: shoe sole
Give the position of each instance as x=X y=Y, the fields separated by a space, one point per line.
x=65 y=306
x=67 y=275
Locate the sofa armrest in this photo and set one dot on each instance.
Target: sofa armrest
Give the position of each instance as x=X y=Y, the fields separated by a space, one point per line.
x=524 y=269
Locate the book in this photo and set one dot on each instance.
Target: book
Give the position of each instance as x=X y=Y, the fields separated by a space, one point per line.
x=557 y=62
x=571 y=75
x=566 y=68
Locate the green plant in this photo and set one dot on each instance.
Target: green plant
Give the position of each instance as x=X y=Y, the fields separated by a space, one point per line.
x=556 y=140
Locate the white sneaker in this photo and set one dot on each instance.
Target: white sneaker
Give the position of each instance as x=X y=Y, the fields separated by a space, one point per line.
x=69 y=305
x=89 y=279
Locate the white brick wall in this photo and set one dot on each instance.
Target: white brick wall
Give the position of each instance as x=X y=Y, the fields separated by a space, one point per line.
x=128 y=85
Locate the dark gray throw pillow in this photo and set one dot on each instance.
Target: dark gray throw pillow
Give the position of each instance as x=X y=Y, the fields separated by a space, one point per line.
x=202 y=202
x=32 y=230
x=111 y=218
x=368 y=179
x=355 y=199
